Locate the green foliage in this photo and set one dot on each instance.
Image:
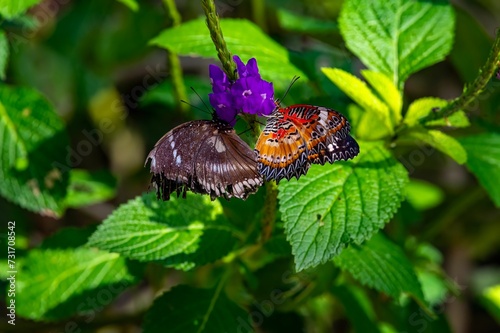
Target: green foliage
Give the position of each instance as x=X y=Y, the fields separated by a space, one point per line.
x=483 y=152
x=341 y=204
x=382 y=265
x=243 y=38
x=13 y=8
x=400 y=37
x=86 y=188
x=195 y=310
x=4 y=54
x=54 y=284
x=305 y=256
x=294 y=22
x=132 y=4
x=33 y=151
x=179 y=233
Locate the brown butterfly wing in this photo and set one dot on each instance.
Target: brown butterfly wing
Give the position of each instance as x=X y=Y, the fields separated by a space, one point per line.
x=206 y=157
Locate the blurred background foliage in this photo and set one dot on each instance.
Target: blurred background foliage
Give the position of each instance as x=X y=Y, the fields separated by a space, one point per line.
x=91 y=60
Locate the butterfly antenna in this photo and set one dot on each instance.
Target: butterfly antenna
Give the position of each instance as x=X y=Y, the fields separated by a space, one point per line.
x=193 y=106
x=209 y=110
x=294 y=79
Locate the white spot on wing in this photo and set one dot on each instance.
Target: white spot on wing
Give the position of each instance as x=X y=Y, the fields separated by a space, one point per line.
x=178 y=160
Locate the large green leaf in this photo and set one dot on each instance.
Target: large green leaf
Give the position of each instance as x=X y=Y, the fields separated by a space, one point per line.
x=58 y=283
x=181 y=232
x=12 y=8
x=336 y=205
x=187 y=309
x=243 y=38
x=34 y=142
x=382 y=265
x=483 y=160
x=4 y=54
x=398 y=37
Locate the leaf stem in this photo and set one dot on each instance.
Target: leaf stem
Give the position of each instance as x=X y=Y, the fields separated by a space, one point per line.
x=471 y=92
x=173 y=61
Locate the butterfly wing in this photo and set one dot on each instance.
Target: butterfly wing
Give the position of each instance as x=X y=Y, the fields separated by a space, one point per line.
x=326 y=132
x=172 y=162
x=281 y=150
x=299 y=135
x=226 y=166
x=206 y=157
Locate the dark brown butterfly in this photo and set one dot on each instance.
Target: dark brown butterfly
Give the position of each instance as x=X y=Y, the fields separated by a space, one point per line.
x=300 y=135
x=206 y=157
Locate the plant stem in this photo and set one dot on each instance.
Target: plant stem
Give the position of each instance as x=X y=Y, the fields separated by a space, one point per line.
x=218 y=39
x=173 y=61
x=471 y=92
x=230 y=69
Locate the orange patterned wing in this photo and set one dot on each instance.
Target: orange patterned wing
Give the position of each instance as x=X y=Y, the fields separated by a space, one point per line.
x=296 y=136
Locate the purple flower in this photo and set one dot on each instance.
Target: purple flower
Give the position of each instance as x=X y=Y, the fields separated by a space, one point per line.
x=248 y=94
x=253 y=96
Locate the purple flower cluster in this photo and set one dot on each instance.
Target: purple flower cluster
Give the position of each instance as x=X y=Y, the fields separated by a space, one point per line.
x=248 y=94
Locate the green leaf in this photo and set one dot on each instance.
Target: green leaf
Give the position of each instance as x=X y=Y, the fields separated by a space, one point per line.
x=433 y=286
x=397 y=38
x=483 y=161
x=55 y=284
x=442 y=142
x=336 y=205
x=364 y=126
x=4 y=54
x=182 y=233
x=34 y=142
x=388 y=91
x=291 y=21
x=357 y=308
x=243 y=38
x=131 y=4
x=86 y=188
x=420 y=108
x=187 y=309
x=359 y=92
x=13 y=8
x=382 y=265
x=423 y=195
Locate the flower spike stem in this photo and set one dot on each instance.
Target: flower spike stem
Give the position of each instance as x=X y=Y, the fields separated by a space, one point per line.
x=174 y=63
x=218 y=39
x=230 y=69
x=475 y=89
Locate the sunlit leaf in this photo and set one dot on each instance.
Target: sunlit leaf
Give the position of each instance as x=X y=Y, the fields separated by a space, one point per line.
x=398 y=37
x=181 y=232
x=243 y=38
x=423 y=195
x=387 y=91
x=132 y=4
x=340 y=204
x=359 y=92
x=58 y=283
x=420 y=108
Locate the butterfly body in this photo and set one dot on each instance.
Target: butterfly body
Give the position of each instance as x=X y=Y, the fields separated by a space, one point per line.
x=300 y=135
x=206 y=157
